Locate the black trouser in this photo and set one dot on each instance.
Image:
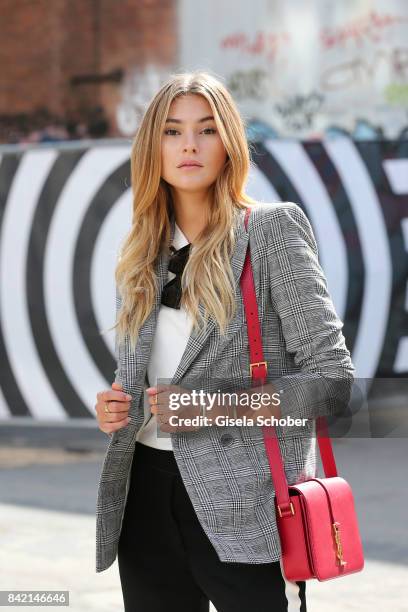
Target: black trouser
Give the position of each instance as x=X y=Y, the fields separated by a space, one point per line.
x=167 y=563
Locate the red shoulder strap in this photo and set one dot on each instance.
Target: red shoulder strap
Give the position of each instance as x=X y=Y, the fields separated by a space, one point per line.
x=258 y=371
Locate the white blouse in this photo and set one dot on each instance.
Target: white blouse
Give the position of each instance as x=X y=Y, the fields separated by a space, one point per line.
x=172 y=332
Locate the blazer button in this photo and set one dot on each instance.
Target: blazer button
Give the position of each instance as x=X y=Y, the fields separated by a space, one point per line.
x=226 y=439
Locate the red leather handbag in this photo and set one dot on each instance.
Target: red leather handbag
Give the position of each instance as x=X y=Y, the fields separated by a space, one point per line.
x=316 y=519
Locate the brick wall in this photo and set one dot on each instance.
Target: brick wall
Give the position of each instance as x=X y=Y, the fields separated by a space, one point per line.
x=47 y=43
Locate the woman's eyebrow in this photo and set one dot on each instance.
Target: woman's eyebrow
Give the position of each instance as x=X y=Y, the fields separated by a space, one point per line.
x=173 y=120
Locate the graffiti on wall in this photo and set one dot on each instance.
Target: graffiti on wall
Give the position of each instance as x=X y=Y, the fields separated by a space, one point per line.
x=138 y=88
x=304 y=70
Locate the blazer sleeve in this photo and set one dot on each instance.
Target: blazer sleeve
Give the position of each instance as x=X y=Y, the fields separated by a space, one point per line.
x=310 y=324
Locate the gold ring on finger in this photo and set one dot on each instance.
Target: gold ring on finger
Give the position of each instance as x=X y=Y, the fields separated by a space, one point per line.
x=106 y=407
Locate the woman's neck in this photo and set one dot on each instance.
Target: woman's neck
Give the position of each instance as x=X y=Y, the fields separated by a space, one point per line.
x=191 y=216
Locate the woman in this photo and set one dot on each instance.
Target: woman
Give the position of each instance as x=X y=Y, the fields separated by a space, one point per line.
x=189 y=509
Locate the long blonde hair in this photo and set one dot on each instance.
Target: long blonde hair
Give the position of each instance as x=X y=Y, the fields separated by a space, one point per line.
x=208 y=275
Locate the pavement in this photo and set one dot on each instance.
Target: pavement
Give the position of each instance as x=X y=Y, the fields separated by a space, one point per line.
x=48 y=484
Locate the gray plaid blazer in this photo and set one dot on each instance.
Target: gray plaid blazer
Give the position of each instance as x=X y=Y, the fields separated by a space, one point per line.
x=225 y=469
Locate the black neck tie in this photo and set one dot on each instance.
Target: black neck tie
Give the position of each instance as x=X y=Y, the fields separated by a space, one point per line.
x=171 y=294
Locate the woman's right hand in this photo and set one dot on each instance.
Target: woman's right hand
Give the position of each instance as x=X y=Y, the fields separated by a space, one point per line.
x=118 y=404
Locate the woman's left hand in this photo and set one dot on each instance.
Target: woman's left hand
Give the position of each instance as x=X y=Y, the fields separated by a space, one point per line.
x=160 y=402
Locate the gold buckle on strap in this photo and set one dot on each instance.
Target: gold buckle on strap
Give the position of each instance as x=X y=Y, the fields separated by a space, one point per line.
x=257 y=363
x=292 y=509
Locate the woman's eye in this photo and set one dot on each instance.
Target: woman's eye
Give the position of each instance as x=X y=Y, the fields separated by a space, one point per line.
x=212 y=131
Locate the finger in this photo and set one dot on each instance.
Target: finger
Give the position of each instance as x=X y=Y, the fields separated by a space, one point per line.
x=115 y=407
x=103 y=424
x=108 y=420
x=112 y=395
x=158 y=399
x=116 y=385
x=114 y=418
x=112 y=427
x=159 y=389
x=153 y=400
x=112 y=415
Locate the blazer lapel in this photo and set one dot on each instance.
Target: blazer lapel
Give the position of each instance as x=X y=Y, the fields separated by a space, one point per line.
x=196 y=339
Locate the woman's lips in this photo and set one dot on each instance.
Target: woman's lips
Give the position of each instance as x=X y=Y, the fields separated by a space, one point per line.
x=188 y=163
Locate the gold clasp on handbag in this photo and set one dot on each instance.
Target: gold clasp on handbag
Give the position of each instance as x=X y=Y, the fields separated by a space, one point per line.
x=292 y=509
x=339 y=552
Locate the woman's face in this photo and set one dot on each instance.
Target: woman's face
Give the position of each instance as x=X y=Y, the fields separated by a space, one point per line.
x=191 y=135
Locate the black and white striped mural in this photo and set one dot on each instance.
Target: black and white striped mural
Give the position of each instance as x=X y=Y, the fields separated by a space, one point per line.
x=65 y=210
